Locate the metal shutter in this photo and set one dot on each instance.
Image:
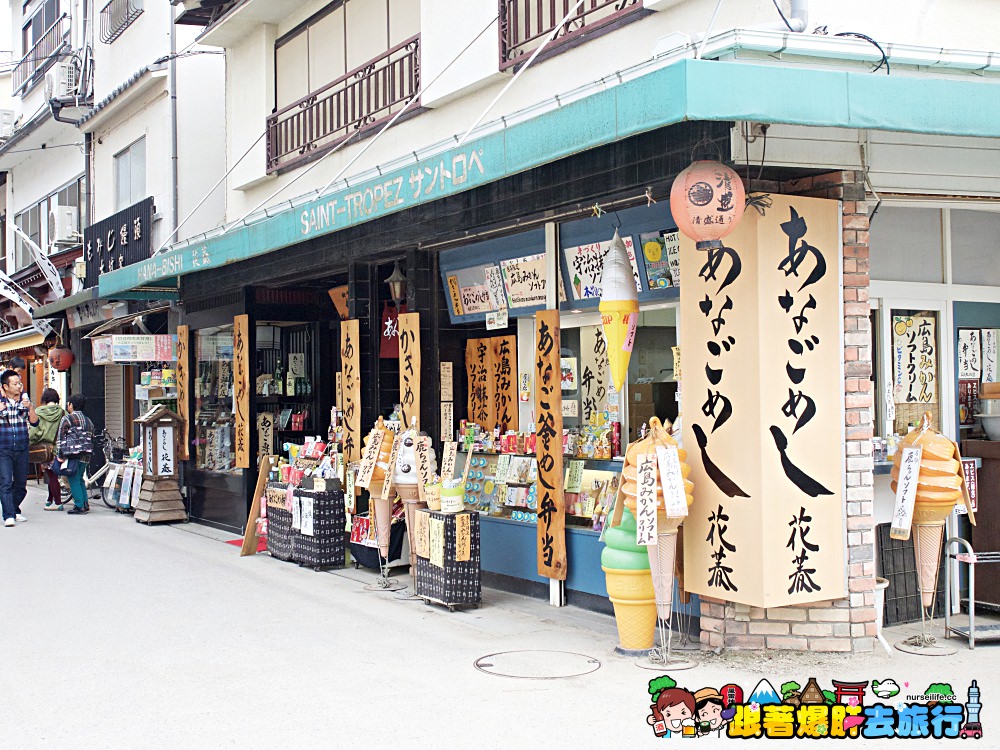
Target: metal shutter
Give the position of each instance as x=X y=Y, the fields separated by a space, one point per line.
x=114 y=400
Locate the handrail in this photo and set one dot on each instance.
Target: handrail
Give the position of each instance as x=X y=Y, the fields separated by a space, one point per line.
x=36 y=59
x=117 y=16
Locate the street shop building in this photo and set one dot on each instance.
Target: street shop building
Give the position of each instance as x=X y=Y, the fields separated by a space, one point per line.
x=514 y=228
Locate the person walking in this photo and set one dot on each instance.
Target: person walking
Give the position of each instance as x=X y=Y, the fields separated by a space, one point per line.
x=16 y=414
x=75 y=443
x=42 y=439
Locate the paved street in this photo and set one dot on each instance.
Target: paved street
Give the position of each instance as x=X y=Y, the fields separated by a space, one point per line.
x=125 y=636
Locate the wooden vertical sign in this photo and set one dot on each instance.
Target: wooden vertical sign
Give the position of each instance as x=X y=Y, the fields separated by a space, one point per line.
x=505 y=380
x=183 y=385
x=482 y=382
x=241 y=389
x=409 y=367
x=351 y=384
x=549 y=447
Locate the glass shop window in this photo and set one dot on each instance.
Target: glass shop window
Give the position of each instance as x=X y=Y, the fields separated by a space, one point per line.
x=213 y=390
x=975 y=247
x=906 y=245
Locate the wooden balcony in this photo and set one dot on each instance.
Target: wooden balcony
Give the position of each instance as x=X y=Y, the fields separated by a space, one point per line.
x=362 y=99
x=525 y=24
x=46 y=50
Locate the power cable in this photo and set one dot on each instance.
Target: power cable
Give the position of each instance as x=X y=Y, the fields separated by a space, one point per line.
x=866 y=38
x=781 y=13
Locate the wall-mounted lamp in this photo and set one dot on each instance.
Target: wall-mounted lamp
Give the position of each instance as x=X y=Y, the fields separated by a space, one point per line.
x=397 y=285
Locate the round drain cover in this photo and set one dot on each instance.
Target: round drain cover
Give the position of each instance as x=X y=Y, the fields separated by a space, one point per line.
x=537 y=665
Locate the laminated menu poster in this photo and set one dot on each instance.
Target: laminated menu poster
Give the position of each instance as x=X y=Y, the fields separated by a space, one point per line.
x=914 y=359
x=524 y=279
x=661 y=252
x=586 y=267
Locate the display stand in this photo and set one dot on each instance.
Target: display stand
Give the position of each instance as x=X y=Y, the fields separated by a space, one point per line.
x=661 y=656
x=318 y=542
x=455 y=582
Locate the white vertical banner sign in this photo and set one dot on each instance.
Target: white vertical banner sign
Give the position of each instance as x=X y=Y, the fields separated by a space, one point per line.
x=989 y=339
x=448 y=460
x=646 y=499
x=165 y=451
x=672 y=480
x=906 y=492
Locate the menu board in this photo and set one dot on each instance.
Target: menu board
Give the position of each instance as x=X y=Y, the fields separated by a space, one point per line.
x=472 y=288
x=586 y=267
x=524 y=280
x=914 y=359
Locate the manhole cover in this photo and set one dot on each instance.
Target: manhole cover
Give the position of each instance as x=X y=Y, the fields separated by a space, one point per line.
x=537 y=665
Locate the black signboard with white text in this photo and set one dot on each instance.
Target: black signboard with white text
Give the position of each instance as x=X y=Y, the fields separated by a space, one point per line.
x=120 y=240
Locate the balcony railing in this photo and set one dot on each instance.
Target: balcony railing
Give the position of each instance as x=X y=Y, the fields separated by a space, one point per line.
x=360 y=100
x=44 y=52
x=525 y=24
x=117 y=16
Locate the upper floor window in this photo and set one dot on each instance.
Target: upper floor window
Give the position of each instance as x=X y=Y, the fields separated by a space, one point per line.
x=130 y=175
x=117 y=16
x=44 y=35
x=526 y=24
x=346 y=69
x=54 y=221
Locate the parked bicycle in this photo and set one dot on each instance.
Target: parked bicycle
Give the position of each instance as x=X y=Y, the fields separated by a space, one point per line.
x=115 y=451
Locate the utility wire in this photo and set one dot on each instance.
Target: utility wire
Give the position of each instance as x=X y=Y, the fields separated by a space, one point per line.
x=781 y=13
x=866 y=38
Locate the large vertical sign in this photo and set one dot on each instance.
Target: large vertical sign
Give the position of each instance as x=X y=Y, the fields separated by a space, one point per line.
x=183 y=387
x=549 y=447
x=351 y=383
x=409 y=366
x=504 y=369
x=241 y=389
x=482 y=382
x=762 y=325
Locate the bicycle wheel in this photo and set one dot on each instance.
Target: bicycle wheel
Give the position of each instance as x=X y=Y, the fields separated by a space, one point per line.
x=108 y=496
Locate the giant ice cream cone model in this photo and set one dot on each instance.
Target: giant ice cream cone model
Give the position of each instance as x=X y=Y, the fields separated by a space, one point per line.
x=381 y=509
x=939 y=487
x=662 y=556
x=406 y=480
x=619 y=309
x=630 y=586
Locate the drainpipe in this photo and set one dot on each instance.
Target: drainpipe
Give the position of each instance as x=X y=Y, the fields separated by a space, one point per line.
x=797 y=19
x=174 y=222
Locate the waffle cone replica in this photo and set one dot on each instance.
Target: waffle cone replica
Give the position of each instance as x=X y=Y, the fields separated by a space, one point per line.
x=381 y=509
x=619 y=309
x=630 y=586
x=940 y=485
x=662 y=558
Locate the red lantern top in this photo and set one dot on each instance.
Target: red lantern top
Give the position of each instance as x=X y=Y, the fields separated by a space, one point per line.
x=707 y=201
x=60 y=358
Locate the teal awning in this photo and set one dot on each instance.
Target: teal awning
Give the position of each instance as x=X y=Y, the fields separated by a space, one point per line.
x=62 y=305
x=684 y=90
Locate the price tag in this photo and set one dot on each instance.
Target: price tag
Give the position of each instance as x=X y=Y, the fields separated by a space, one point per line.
x=370 y=458
x=423 y=448
x=448 y=460
x=349 y=496
x=645 y=502
x=673 y=481
x=306 y=504
x=890 y=404
x=574 y=476
x=468 y=465
x=447 y=421
x=906 y=492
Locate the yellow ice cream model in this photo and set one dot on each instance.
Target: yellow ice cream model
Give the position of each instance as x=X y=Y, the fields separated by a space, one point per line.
x=663 y=556
x=940 y=484
x=619 y=309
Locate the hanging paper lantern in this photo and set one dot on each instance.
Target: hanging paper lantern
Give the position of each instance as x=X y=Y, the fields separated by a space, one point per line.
x=619 y=309
x=60 y=358
x=707 y=201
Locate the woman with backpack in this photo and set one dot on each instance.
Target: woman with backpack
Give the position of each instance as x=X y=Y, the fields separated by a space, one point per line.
x=74 y=444
x=42 y=442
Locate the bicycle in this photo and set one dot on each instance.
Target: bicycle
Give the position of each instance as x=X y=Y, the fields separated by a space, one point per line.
x=114 y=451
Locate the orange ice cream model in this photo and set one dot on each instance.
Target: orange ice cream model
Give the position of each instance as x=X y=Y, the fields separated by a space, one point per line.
x=619 y=309
x=940 y=484
x=663 y=555
x=381 y=509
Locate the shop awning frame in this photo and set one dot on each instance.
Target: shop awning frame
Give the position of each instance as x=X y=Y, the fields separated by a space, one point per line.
x=21 y=339
x=123 y=320
x=673 y=92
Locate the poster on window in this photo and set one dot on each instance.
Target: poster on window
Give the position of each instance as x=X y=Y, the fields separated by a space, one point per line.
x=524 y=279
x=989 y=342
x=914 y=359
x=661 y=252
x=969 y=354
x=586 y=267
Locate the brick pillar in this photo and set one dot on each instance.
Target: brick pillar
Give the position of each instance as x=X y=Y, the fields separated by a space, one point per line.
x=846 y=625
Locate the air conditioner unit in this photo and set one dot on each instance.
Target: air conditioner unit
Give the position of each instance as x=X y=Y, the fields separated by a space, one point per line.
x=63 y=225
x=7 y=117
x=61 y=81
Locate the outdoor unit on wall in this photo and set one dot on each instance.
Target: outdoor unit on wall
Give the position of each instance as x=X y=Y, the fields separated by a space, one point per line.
x=61 y=81
x=64 y=225
x=7 y=117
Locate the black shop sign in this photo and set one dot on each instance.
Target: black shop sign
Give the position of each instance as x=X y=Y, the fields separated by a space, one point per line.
x=120 y=240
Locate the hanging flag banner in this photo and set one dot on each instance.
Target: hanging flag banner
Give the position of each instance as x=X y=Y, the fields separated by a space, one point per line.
x=764 y=414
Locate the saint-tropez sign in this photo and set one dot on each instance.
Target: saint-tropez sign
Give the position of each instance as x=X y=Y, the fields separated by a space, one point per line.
x=118 y=241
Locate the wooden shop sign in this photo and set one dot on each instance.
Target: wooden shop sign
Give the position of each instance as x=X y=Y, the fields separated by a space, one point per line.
x=549 y=447
x=241 y=389
x=351 y=384
x=409 y=367
x=183 y=387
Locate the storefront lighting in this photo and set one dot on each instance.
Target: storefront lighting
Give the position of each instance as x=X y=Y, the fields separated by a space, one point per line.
x=397 y=285
x=707 y=201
